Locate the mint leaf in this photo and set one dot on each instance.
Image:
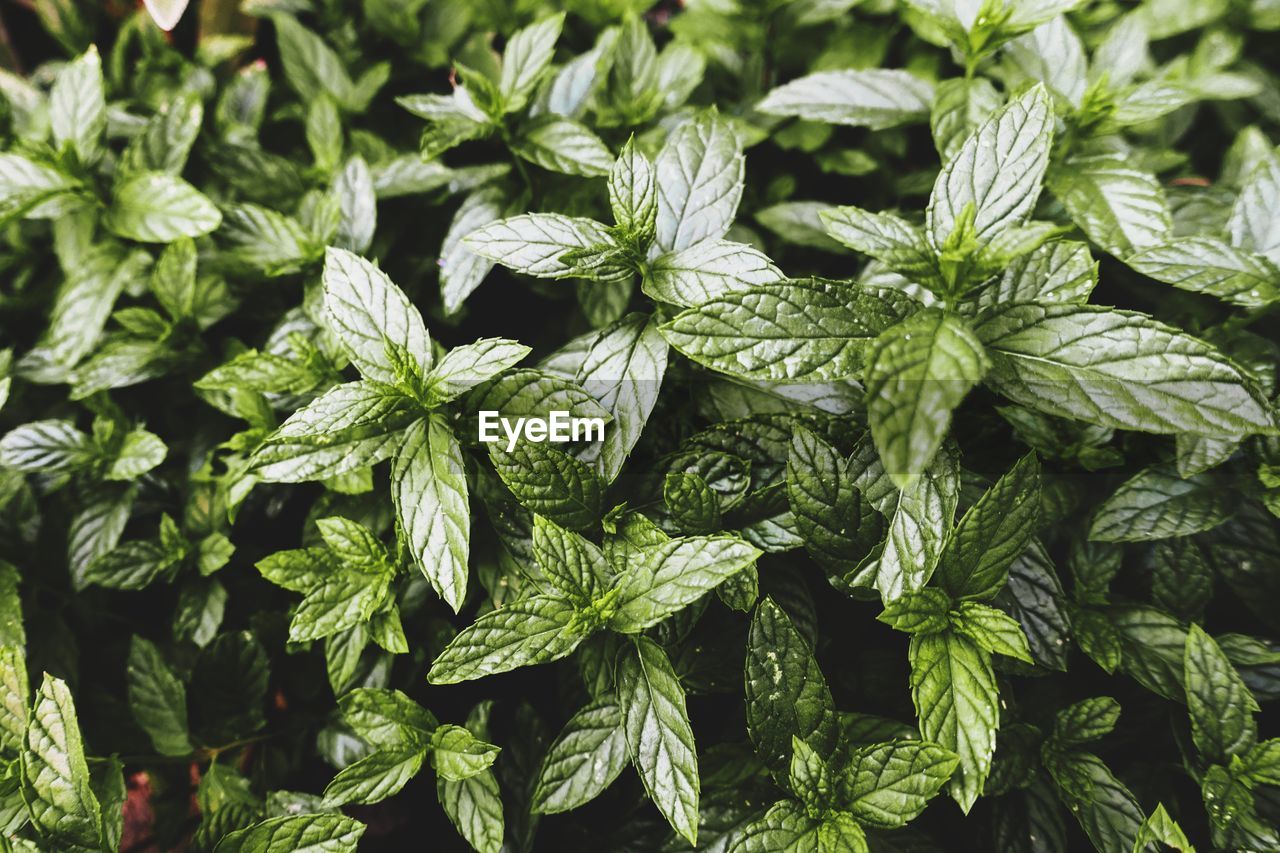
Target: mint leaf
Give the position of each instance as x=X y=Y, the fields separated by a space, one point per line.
x=787 y=695
x=918 y=372
x=369 y=314
x=1109 y=367
x=992 y=534
x=153 y=207
x=1220 y=704
x=998 y=170
x=158 y=699
x=699 y=175
x=993 y=630
x=659 y=738
x=1158 y=504
x=956 y=700
x=1205 y=265
x=526 y=58
x=889 y=784
x=1122 y=209
x=585 y=758
x=707 y=270
x=311 y=833
x=573 y=565
x=55 y=776
x=836 y=523
x=526 y=632
x=551 y=483
x=537 y=244
x=874 y=98
x=673 y=575
x=429 y=490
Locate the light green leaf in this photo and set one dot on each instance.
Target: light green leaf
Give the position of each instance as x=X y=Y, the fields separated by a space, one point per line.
x=992 y=534
x=375 y=777
x=1118 y=369
x=1206 y=265
x=585 y=758
x=876 y=98
x=429 y=490
x=917 y=373
x=700 y=178
x=574 y=565
x=466 y=366
x=474 y=806
x=1253 y=225
x=998 y=170
x=369 y=313
x=957 y=703
x=659 y=737
x=993 y=630
x=78 y=107
x=55 y=776
x=889 y=784
x=525 y=632
x=527 y=56
x=350 y=426
x=457 y=754
x=787 y=331
x=50 y=447
x=707 y=270
x=1121 y=208
x=551 y=483
x=565 y=146
x=633 y=192
x=535 y=243
x=154 y=207
x=1060 y=271
x=140 y=452
x=673 y=575
x=305 y=833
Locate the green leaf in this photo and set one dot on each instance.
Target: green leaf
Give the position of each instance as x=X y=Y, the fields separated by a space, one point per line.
x=140 y=452
x=889 y=784
x=1158 y=504
x=792 y=330
x=1159 y=827
x=462 y=270
x=809 y=777
x=876 y=98
x=673 y=575
x=924 y=612
x=429 y=490
x=917 y=373
x=166 y=141
x=959 y=107
x=1206 y=265
x=350 y=426
x=466 y=366
x=787 y=826
x=154 y=207
x=993 y=630
x=1085 y=721
x=919 y=521
x=1112 y=368
x=837 y=524
x=565 y=146
x=16 y=698
x=707 y=270
x=457 y=754
x=575 y=566
x=55 y=776
x=957 y=703
x=307 y=833
x=659 y=738
x=49 y=447
x=1110 y=816
x=998 y=170
x=310 y=65
x=1252 y=225
x=26 y=186
x=786 y=694
x=78 y=108
x=551 y=483
x=357 y=204
x=1220 y=704
x=386 y=717
x=700 y=179
x=623 y=369
x=1122 y=209
x=158 y=699
x=375 y=777
x=992 y=534
x=893 y=241
x=369 y=314
x=525 y=632
x=474 y=806
x=1061 y=271
x=633 y=192
x=549 y=245
x=527 y=56
x=585 y=758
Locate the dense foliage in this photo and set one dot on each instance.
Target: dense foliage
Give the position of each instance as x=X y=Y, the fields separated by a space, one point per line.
x=935 y=508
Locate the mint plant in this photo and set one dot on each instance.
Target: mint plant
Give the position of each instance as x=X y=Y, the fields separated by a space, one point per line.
x=926 y=351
